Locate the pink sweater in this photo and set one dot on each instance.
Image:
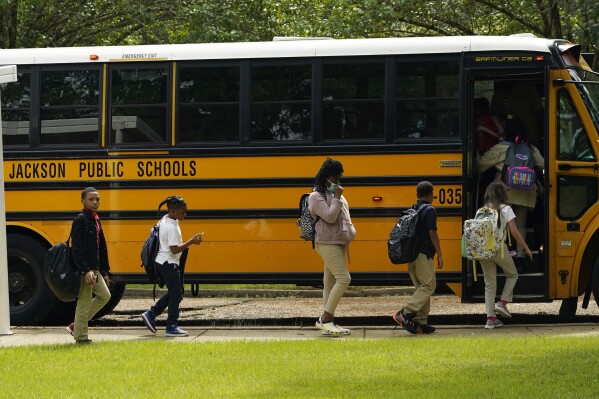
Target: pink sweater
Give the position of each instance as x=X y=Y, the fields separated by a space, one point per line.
x=334 y=225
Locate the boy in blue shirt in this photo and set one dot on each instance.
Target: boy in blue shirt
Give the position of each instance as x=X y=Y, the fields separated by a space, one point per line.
x=413 y=316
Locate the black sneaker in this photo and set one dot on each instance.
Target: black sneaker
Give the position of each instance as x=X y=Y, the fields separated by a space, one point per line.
x=83 y=341
x=427 y=329
x=405 y=321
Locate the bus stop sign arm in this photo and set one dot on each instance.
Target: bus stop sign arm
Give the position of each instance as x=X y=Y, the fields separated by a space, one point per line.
x=7 y=74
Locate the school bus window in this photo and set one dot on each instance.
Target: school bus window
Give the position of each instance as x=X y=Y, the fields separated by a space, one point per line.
x=573 y=142
x=15 y=110
x=589 y=93
x=427 y=99
x=70 y=106
x=208 y=103
x=353 y=100
x=139 y=101
x=280 y=108
x=576 y=194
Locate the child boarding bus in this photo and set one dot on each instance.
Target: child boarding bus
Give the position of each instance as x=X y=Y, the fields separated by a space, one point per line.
x=239 y=129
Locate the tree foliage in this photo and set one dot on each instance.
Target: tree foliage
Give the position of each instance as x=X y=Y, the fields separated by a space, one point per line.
x=41 y=23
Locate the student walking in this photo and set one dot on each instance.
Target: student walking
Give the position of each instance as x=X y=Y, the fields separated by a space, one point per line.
x=496 y=198
x=167 y=265
x=90 y=256
x=413 y=316
x=334 y=231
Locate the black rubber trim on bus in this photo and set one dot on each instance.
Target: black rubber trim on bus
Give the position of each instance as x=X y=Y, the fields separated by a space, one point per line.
x=362 y=147
x=232 y=183
x=282 y=213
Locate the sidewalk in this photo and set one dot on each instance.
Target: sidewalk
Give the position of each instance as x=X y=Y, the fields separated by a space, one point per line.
x=58 y=335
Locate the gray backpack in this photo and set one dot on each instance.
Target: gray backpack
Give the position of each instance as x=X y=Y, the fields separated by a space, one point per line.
x=306 y=223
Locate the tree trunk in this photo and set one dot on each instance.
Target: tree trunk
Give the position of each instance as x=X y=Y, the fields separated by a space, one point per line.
x=13 y=23
x=555 y=22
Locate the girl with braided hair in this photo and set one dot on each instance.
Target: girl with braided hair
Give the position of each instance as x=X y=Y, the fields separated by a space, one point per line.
x=334 y=231
x=167 y=265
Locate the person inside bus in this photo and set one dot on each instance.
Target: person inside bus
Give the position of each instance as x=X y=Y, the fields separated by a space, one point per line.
x=496 y=198
x=167 y=265
x=90 y=256
x=333 y=233
x=525 y=103
x=489 y=127
x=522 y=201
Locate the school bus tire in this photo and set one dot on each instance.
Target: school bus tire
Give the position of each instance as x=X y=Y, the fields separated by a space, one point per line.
x=31 y=300
x=117 y=289
x=595 y=283
x=567 y=310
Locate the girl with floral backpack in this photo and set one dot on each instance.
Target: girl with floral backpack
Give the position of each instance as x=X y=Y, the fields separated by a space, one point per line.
x=496 y=198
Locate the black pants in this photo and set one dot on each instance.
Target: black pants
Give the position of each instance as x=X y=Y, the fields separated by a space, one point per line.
x=172 y=278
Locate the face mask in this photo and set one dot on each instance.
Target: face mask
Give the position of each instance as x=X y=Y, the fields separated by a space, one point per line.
x=332 y=187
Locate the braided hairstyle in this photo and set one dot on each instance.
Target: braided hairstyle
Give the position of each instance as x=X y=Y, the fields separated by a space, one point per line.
x=495 y=195
x=330 y=167
x=173 y=202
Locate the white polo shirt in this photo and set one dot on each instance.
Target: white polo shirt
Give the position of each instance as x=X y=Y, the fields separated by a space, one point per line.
x=170 y=234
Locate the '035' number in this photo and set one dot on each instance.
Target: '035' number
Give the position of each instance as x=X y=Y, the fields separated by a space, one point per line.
x=450 y=196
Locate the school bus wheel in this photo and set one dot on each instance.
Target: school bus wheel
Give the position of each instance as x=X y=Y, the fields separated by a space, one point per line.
x=117 y=289
x=31 y=300
x=567 y=310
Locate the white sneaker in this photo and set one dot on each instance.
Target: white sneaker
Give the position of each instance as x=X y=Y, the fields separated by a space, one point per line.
x=502 y=310
x=328 y=329
x=492 y=324
x=344 y=331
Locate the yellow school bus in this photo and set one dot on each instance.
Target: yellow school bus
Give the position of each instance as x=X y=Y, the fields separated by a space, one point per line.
x=240 y=130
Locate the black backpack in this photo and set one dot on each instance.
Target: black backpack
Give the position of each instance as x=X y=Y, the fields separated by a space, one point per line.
x=62 y=276
x=306 y=222
x=403 y=241
x=149 y=251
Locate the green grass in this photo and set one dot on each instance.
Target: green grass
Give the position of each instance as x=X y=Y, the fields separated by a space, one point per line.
x=413 y=367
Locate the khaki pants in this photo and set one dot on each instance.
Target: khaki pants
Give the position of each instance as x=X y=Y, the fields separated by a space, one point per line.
x=88 y=307
x=506 y=263
x=336 y=277
x=422 y=273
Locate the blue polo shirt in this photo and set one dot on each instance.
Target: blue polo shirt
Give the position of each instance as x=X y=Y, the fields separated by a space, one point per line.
x=427 y=221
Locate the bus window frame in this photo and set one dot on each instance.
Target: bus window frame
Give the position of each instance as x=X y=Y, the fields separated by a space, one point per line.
x=384 y=98
x=168 y=66
x=22 y=147
x=429 y=58
x=177 y=109
x=247 y=101
x=39 y=107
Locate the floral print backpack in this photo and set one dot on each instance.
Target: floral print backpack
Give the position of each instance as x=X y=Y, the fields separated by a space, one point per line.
x=482 y=238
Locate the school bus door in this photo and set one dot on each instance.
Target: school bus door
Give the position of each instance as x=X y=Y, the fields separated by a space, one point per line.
x=572 y=181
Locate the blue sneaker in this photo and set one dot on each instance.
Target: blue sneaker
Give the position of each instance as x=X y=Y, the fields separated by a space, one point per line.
x=175 y=331
x=150 y=321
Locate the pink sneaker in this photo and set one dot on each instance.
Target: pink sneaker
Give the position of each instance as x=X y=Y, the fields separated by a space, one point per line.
x=71 y=328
